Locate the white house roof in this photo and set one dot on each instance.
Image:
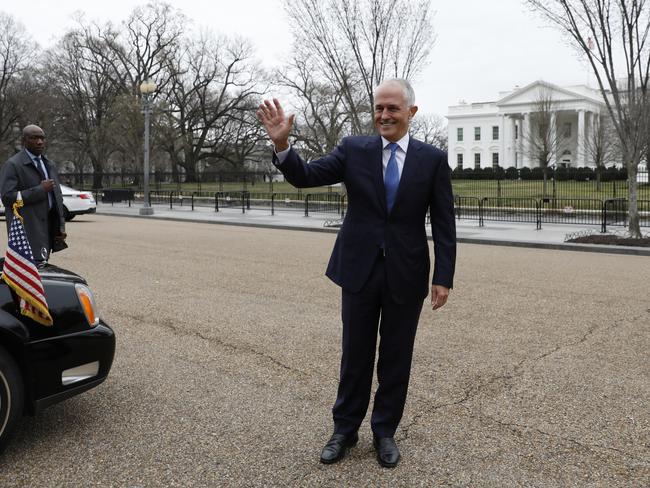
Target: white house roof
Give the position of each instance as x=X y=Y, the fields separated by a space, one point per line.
x=530 y=93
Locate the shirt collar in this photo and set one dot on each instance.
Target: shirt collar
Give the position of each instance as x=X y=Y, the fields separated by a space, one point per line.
x=403 y=143
x=32 y=156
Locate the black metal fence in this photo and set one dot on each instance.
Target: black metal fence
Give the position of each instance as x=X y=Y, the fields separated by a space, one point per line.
x=511 y=183
x=577 y=211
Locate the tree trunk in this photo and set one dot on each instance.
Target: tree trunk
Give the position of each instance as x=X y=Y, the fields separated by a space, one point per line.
x=98 y=176
x=633 y=207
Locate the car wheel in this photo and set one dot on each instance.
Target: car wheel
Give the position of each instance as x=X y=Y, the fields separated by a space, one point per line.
x=67 y=215
x=11 y=396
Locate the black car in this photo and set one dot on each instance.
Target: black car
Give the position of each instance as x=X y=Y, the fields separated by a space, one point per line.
x=40 y=365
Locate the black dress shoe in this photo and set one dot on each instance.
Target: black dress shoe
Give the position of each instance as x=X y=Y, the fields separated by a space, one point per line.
x=335 y=448
x=387 y=452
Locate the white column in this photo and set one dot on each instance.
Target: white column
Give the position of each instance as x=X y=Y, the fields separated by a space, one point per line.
x=554 y=138
x=581 y=139
x=525 y=142
x=520 y=145
x=512 y=143
x=502 y=140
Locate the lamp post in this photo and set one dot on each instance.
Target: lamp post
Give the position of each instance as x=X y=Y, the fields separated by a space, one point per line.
x=146 y=88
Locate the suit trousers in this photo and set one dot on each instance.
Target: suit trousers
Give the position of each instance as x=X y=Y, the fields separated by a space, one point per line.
x=365 y=313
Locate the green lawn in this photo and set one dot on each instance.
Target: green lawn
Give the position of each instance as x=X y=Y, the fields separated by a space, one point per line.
x=535 y=189
x=465 y=188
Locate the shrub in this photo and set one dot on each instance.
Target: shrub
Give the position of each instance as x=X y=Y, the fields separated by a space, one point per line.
x=512 y=173
x=537 y=173
x=584 y=174
x=468 y=173
x=486 y=174
x=525 y=174
x=562 y=174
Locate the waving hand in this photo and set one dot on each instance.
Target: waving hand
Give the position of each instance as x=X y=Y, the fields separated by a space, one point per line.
x=277 y=125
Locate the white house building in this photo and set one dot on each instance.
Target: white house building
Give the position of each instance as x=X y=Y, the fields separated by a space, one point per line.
x=490 y=133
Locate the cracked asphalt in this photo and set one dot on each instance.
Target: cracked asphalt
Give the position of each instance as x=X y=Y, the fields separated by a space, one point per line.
x=535 y=373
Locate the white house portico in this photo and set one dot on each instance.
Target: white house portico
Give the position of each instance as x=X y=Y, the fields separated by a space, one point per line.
x=501 y=133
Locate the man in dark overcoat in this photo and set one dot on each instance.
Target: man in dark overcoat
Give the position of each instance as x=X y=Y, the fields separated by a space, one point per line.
x=36 y=178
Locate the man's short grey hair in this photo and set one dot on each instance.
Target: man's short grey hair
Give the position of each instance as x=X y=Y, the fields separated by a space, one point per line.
x=407 y=89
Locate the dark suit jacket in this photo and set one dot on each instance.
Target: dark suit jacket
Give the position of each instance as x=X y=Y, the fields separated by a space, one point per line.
x=425 y=185
x=20 y=174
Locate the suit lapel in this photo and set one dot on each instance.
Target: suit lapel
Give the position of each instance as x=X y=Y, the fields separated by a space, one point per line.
x=27 y=161
x=376 y=158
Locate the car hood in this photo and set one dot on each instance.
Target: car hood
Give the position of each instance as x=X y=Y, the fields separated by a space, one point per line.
x=51 y=272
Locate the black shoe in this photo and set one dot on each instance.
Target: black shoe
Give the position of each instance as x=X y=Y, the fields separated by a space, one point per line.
x=335 y=448
x=387 y=452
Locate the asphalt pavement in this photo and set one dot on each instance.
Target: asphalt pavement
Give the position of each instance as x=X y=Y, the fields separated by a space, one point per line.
x=535 y=374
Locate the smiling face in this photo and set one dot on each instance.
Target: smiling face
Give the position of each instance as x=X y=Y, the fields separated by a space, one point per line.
x=392 y=114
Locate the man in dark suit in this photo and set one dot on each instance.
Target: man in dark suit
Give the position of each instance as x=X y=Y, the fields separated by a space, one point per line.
x=36 y=178
x=381 y=255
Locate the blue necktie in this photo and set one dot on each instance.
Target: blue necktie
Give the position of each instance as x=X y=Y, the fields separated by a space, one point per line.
x=391 y=178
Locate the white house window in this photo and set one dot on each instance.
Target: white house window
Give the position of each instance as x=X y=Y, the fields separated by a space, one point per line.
x=566 y=130
x=477 y=160
x=459 y=134
x=477 y=133
x=495 y=159
x=459 y=161
x=495 y=132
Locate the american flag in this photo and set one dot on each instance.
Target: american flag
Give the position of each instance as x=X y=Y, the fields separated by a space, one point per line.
x=21 y=274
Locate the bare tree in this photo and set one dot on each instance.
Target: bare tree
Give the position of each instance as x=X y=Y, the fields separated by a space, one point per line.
x=356 y=45
x=613 y=34
x=430 y=128
x=324 y=117
x=543 y=141
x=600 y=144
x=17 y=54
x=86 y=101
x=212 y=81
x=242 y=138
x=132 y=54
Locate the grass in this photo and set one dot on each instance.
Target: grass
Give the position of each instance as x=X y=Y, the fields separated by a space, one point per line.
x=465 y=188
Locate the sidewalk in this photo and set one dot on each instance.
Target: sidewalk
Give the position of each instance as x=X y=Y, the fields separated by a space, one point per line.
x=551 y=236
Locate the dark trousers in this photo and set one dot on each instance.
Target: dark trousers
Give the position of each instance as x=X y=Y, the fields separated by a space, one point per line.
x=363 y=313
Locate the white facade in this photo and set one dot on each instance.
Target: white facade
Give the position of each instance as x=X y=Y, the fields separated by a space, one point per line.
x=490 y=133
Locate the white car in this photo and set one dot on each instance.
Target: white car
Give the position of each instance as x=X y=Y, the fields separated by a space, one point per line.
x=77 y=202
x=74 y=203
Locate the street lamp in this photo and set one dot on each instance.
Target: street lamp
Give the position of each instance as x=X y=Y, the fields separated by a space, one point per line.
x=146 y=88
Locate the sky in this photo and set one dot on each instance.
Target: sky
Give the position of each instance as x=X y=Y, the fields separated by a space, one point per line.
x=482 y=47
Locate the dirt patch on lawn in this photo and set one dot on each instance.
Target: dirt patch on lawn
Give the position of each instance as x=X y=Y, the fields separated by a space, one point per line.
x=611 y=240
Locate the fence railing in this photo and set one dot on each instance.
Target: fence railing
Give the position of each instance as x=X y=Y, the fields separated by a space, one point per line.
x=580 y=211
x=583 y=183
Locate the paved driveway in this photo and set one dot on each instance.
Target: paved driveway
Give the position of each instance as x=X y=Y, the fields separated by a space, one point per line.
x=536 y=373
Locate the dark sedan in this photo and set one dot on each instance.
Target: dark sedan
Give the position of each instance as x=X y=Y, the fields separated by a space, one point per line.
x=40 y=365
